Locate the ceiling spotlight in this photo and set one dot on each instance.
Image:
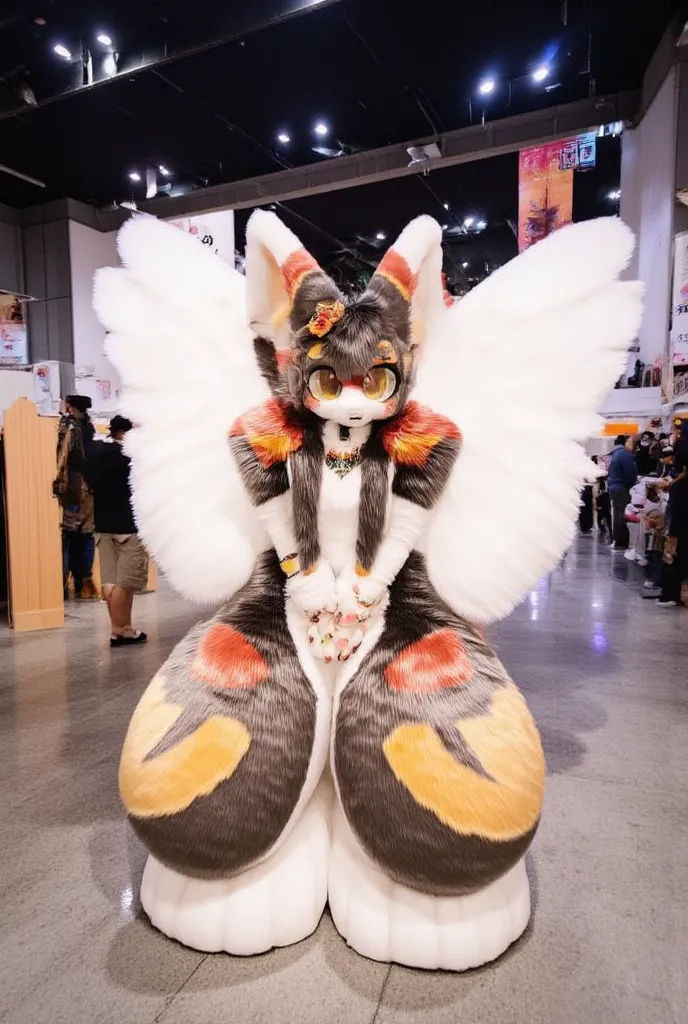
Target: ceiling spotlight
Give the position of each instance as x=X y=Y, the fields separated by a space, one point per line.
x=134 y=176
x=62 y=51
x=487 y=86
x=469 y=222
x=540 y=74
x=481 y=225
x=381 y=236
x=444 y=227
x=445 y=205
x=321 y=129
x=164 y=171
x=614 y=195
x=284 y=138
x=104 y=38
x=464 y=266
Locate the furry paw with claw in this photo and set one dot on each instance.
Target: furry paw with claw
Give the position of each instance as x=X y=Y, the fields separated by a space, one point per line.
x=314 y=592
x=357 y=597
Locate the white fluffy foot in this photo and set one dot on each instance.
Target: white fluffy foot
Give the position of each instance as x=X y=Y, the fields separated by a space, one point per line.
x=386 y=921
x=275 y=903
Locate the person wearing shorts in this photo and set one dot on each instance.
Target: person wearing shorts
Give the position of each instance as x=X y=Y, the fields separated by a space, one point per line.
x=123 y=559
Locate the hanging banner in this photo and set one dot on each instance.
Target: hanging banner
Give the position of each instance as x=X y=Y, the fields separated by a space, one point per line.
x=14 y=349
x=679 y=302
x=545 y=192
x=545 y=185
x=216 y=230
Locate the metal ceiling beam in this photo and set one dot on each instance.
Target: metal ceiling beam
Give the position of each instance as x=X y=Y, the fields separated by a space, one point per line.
x=239 y=21
x=464 y=145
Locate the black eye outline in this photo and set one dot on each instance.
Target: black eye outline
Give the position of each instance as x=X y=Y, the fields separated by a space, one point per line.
x=323 y=397
x=386 y=369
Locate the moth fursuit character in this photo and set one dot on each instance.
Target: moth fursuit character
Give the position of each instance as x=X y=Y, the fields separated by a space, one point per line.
x=359 y=485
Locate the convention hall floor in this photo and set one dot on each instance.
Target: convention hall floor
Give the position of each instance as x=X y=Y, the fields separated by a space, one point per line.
x=606 y=676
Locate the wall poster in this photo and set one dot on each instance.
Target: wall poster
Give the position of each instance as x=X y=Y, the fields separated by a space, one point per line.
x=14 y=348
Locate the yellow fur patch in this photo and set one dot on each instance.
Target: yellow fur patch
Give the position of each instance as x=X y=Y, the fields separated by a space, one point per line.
x=191 y=768
x=315 y=351
x=507 y=744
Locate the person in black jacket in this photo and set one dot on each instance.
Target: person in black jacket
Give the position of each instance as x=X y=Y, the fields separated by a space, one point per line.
x=123 y=560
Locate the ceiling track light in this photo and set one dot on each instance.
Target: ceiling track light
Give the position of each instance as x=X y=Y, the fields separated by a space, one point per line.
x=284 y=138
x=540 y=74
x=321 y=129
x=487 y=86
x=104 y=39
x=62 y=51
x=134 y=176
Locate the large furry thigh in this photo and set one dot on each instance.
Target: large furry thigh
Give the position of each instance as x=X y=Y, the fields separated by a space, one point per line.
x=220 y=752
x=437 y=761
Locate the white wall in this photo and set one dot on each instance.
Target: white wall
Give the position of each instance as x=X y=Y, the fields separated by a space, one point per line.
x=90 y=250
x=648 y=161
x=14 y=384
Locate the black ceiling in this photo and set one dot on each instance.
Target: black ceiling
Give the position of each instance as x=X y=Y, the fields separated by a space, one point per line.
x=375 y=71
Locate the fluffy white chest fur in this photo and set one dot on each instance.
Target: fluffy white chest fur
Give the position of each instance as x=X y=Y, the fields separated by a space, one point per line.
x=340 y=497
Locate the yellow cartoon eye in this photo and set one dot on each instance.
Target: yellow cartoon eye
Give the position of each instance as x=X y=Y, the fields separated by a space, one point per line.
x=324 y=384
x=379 y=383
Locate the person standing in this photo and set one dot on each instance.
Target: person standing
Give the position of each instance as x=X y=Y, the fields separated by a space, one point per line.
x=675 y=568
x=623 y=474
x=74 y=439
x=123 y=559
x=646 y=462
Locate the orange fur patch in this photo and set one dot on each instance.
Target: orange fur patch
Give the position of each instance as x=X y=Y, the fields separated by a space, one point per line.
x=226 y=659
x=397 y=271
x=295 y=268
x=410 y=438
x=433 y=663
x=270 y=431
x=387 y=353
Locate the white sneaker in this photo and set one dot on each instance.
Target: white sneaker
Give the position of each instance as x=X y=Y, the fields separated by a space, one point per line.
x=629 y=555
x=640 y=560
x=649 y=585
x=668 y=604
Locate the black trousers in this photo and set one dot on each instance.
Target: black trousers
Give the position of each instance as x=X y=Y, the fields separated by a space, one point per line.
x=585 y=513
x=78 y=552
x=620 y=499
x=604 y=514
x=674 y=574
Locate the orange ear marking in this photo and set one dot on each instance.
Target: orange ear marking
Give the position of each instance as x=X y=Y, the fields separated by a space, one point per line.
x=295 y=268
x=315 y=351
x=397 y=271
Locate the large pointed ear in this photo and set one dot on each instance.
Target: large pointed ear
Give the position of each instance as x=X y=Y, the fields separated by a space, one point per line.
x=284 y=283
x=409 y=279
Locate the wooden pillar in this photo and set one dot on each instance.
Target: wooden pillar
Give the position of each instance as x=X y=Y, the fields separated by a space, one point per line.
x=33 y=520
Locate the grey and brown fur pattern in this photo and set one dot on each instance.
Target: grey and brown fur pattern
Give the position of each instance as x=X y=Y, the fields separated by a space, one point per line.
x=223 y=832
x=407 y=840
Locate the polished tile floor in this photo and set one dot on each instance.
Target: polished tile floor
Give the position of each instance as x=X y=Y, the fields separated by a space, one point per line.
x=606 y=676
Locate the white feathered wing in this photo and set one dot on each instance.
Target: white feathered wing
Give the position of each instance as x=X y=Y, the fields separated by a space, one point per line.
x=521 y=365
x=180 y=341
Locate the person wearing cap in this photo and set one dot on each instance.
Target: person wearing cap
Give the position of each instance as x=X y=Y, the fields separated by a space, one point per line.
x=74 y=440
x=123 y=559
x=623 y=474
